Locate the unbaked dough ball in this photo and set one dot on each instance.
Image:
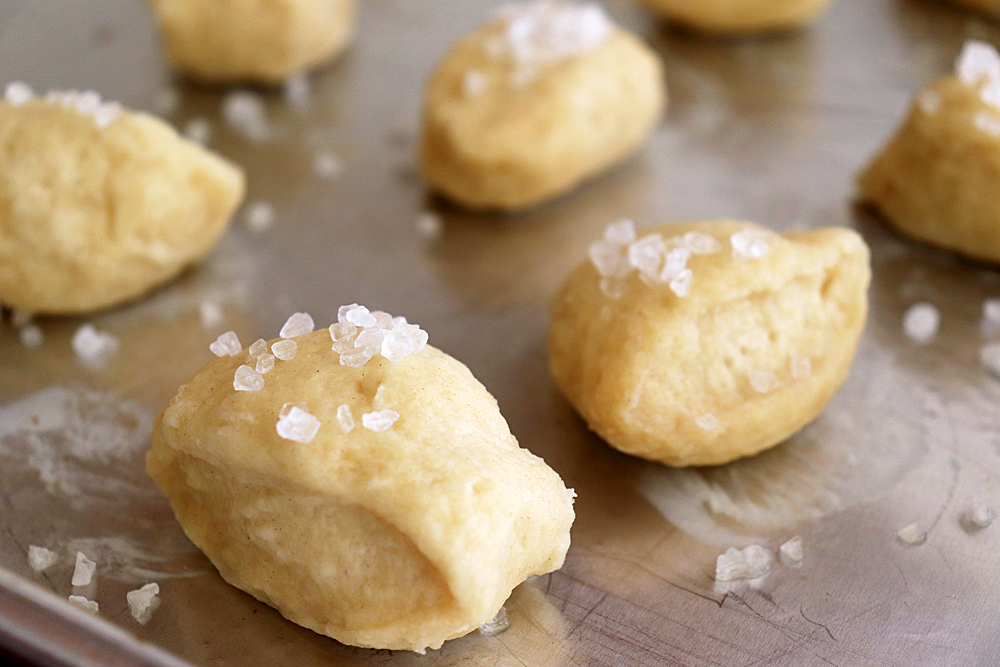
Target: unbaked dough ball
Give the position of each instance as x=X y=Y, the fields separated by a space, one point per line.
x=98 y=205
x=253 y=40
x=703 y=342
x=382 y=503
x=739 y=16
x=542 y=97
x=991 y=7
x=938 y=178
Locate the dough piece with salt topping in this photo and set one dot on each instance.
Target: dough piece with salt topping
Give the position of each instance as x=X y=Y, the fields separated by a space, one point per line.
x=382 y=503
x=253 y=40
x=739 y=16
x=542 y=97
x=937 y=179
x=700 y=343
x=98 y=205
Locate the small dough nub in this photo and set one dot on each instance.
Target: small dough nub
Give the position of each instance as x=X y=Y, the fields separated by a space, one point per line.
x=739 y=16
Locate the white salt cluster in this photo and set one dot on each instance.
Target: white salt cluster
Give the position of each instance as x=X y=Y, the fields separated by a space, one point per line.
x=345 y=418
x=260 y=217
x=495 y=625
x=802 y=368
x=978 y=65
x=545 y=31
x=297 y=91
x=83 y=573
x=764 y=382
x=791 y=552
x=750 y=563
x=284 y=349
x=360 y=334
x=977 y=517
x=380 y=420
x=659 y=261
x=141 y=602
x=929 y=102
x=210 y=314
x=428 y=225
x=707 y=422
x=226 y=345
x=921 y=322
x=326 y=165
x=912 y=534
x=296 y=424
x=41 y=559
x=297 y=324
x=93 y=347
x=85 y=103
x=31 y=335
x=749 y=244
x=84 y=604
x=198 y=130
x=247 y=379
x=246 y=113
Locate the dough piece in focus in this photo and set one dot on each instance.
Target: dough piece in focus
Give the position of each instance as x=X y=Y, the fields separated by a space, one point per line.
x=404 y=520
x=704 y=342
x=542 y=97
x=989 y=7
x=253 y=40
x=739 y=16
x=99 y=205
x=938 y=178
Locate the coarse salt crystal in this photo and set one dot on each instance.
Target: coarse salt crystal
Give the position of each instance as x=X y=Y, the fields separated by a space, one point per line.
x=610 y=259
x=428 y=225
x=620 y=232
x=646 y=255
x=988 y=123
x=284 y=349
x=912 y=535
x=83 y=572
x=361 y=317
x=681 y=283
x=707 y=422
x=921 y=322
x=977 y=517
x=544 y=31
x=86 y=103
x=41 y=559
x=247 y=379
x=297 y=425
x=748 y=244
x=258 y=347
x=752 y=562
x=91 y=346
x=326 y=165
x=84 y=603
x=701 y=243
x=977 y=61
x=345 y=418
x=384 y=320
x=296 y=91
x=379 y=420
x=495 y=625
x=246 y=113
x=357 y=357
x=18 y=93
x=791 y=552
x=260 y=217
x=226 y=345
x=473 y=83
x=31 y=335
x=141 y=602
x=929 y=102
x=298 y=324
x=991 y=311
x=265 y=363
x=198 y=130
x=801 y=367
x=764 y=382
x=343 y=335
x=210 y=314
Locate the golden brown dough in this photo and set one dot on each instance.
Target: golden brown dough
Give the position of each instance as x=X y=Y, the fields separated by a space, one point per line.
x=739 y=16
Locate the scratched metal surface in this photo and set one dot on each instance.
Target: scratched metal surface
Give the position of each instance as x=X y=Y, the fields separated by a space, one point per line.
x=771 y=130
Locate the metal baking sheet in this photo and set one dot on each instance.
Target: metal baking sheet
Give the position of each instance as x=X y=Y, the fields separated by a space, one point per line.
x=770 y=129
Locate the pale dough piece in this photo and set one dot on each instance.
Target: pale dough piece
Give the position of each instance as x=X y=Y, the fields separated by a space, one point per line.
x=671 y=378
x=253 y=40
x=93 y=216
x=991 y=7
x=399 y=539
x=507 y=132
x=739 y=16
x=937 y=179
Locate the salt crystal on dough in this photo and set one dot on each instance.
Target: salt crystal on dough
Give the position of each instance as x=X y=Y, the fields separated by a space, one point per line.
x=345 y=418
x=83 y=573
x=226 y=345
x=360 y=316
x=681 y=283
x=988 y=123
x=620 y=232
x=546 y=31
x=258 y=347
x=298 y=324
x=247 y=379
x=912 y=534
x=707 y=422
x=18 y=93
x=748 y=244
x=701 y=243
x=141 y=601
x=764 y=382
x=791 y=552
x=752 y=562
x=646 y=254
x=284 y=349
x=977 y=61
x=380 y=420
x=495 y=625
x=93 y=346
x=84 y=603
x=921 y=322
x=297 y=425
x=41 y=559
x=265 y=363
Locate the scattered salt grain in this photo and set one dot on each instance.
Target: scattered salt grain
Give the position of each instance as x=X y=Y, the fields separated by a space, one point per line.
x=701 y=243
x=791 y=552
x=801 y=368
x=83 y=572
x=247 y=379
x=345 y=418
x=546 y=31
x=141 y=602
x=31 y=335
x=979 y=65
x=265 y=363
x=929 y=102
x=18 y=93
x=748 y=244
x=298 y=324
x=988 y=123
x=360 y=316
x=284 y=349
x=750 y=563
x=296 y=91
x=764 y=382
x=258 y=347
x=473 y=83
x=41 y=559
x=646 y=255
x=210 y=314
x=246 y=113
x=84 y=603
x=226 y=345
x=681 y=283
x=259 y=216
x=198 y=130
x=327 y=165
x=707 y=422
x=912 y=535
x=380 y=420
x=297 y=425
x=921 y=322
x=428 y=225
x=977 y=517
x=93 y=347
x=495 y=625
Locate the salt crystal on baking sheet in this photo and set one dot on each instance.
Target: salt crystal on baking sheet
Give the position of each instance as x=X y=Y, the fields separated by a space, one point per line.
x=764 y=382
x=210 y=314
x=327 y=166
x=260 y=216
x=701 y=243
x=707 y=422
x=298 y=324
x=752 y=562
x=912 y=535
x=31 y=335
x=495 y=625
x=345 y=418
x=265 y=363
x=18 y=93
x=610 y=259
x=428 y=224
x=83 y=572
x=929 y=102
x=801 y=367
x=360 y=316
x=921 y=322
x=379 y=420
x=198 y=130
x=284 y=349
x=473 y=83
x=141 y=601
x=681 y=283
x=791 y=552
x=41 y=559
x=258 y=347
x=977 y=517
x=92 y=347
x=545 y=31
x=748 y=244
x=296 y=90
x=84 y=603
x=297 y=425
x=226 y=345
x=246 y=113
x=247 y=379
x=977 y=61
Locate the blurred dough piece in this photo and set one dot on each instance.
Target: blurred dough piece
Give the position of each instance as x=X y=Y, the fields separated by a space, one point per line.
x=938 y=178
x=542 y=97
x=729 y=339
x=739 y=16
x=253 y=40
x=990 y=7
x=99 y=205
x=399 y=538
